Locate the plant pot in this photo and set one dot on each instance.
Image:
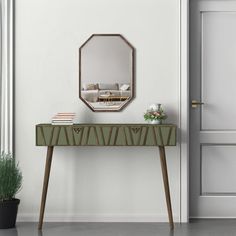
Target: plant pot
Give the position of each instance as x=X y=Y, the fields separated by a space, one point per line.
x=8 y=213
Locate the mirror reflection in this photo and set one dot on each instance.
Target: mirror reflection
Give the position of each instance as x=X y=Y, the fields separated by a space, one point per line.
x=106 y=74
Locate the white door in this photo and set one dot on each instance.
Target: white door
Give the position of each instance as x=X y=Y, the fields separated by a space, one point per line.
x=213 y=125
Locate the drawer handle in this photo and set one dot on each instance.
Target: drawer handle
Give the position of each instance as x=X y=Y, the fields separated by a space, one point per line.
x=77 y=130
x=135 y=130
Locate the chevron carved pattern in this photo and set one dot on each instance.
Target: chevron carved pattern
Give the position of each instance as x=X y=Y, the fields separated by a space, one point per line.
x=105 y=135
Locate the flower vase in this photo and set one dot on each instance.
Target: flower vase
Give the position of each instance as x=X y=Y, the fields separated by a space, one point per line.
x=155 y=122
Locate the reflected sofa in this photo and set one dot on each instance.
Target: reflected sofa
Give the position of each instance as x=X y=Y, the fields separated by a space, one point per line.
x=91 y=92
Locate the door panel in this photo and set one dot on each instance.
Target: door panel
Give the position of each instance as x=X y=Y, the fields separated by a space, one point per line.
x=213 y=125
x=218 y=70
x=218 y=175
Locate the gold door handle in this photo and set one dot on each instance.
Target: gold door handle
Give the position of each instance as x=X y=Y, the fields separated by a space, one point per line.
x=195 y=103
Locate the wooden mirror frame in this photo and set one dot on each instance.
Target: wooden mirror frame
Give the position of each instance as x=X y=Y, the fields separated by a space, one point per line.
x=132 y=80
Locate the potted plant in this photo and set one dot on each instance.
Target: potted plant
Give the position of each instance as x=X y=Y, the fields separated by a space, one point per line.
x=10 y=184
x=155 y=114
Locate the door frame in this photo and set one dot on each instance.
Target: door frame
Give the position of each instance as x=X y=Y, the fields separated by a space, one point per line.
x=7 y=76
x=184 y=110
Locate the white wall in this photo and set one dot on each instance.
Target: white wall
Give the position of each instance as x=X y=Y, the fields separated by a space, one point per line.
x=94 y=183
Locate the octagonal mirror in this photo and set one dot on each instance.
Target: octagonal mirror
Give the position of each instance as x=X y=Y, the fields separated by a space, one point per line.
x=106 y=72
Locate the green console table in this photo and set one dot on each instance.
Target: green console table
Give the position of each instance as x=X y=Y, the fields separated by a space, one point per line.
x=106 y=135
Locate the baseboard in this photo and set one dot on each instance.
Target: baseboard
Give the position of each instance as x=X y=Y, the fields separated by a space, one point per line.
x=96 y=218
x=211 y=217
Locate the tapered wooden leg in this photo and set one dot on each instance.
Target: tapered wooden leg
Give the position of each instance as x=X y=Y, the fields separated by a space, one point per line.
x=45 y=185
x=166 y=184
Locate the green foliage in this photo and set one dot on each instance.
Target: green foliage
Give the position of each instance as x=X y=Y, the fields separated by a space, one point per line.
x=155 y=115
x=10 y=177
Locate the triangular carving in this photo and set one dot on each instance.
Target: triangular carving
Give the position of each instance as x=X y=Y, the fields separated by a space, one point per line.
x=47 y=133
x=62 y=137
x=107 y=132
x=144 y=132
x=165 y=132
x=77 y=133
x=136 y=135
x=40 y=137
x=92 y=137
x=121 y=137
x=150 y=137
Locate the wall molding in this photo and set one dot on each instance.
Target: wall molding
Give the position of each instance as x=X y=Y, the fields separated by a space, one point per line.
x=6 y=82
x=96 y=218
x=184 y=110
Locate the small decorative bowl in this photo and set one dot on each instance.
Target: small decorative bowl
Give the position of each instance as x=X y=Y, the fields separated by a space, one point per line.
x=155 y=122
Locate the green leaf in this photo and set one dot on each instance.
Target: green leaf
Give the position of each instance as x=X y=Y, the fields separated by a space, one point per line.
x=10 y=177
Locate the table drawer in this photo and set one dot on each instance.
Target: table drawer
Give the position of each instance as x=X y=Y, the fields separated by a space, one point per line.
x=106 y=135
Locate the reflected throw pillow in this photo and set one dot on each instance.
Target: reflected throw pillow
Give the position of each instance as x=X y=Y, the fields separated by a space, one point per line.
x=124 y=87
x=90 y=87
